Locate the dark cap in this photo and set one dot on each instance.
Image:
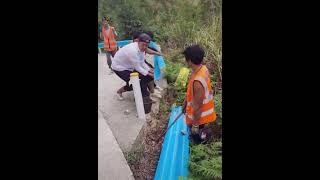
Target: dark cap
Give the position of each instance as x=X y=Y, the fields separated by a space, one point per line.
x=135 y=35
x=143 y=37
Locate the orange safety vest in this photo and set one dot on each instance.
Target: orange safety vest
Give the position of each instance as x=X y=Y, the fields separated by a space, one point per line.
x=208 y=113
x=110 y=43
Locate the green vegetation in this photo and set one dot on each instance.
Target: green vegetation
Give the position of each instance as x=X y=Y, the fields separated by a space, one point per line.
x=205 y=161
x=134 y=155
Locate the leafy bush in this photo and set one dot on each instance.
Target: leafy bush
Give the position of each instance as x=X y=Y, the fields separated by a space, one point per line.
x=218 y=104
x=205 y=161
x=171 y=71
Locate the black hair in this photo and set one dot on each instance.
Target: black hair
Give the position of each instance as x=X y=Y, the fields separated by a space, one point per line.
x=135 y=35
x=143 y=37
x=104 y=18
x=194 y=53
x=149 y=33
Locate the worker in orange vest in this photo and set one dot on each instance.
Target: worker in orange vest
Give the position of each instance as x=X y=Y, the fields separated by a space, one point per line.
x=109 y=36
x=198 y=105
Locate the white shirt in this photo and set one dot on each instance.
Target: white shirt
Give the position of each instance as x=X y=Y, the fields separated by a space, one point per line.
x=129 y=57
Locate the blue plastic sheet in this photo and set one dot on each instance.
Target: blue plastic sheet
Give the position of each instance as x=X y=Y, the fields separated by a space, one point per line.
x=158 y=62
x=174 y=157
x=119 y=43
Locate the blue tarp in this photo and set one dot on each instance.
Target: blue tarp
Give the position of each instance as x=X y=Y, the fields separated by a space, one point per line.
x=174 y=157
x=158 y=62
x=119 y=43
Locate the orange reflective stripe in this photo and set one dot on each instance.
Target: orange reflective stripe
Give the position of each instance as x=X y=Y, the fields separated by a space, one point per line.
x=204 y=107
x=208 y=99
x=206 y=119
x=203 y=114
x=209 y=105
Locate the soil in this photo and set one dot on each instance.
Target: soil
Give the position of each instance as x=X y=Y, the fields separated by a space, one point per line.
x=149 y=152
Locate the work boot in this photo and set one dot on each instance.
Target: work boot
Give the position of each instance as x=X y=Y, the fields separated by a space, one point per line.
x=159 y=88
x=156 y=95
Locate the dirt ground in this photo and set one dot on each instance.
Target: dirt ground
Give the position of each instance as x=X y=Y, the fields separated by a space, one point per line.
x=143 y=159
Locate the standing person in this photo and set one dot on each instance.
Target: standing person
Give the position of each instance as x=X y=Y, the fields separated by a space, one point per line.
x=131 y=58
x=199 y=103
x=109 y=36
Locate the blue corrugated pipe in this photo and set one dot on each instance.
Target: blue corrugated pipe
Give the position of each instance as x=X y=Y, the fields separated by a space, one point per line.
x=173 y=162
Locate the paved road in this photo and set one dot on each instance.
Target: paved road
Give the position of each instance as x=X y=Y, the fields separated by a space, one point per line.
x=117 y=131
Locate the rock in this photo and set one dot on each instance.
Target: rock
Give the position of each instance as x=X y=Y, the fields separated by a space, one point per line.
x=126 y=112
x=153 y=123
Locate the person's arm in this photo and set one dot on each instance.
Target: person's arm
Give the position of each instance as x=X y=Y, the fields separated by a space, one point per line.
x=145 y=66
x=154 y=49
x=101 y=37
x=149 y=65
x=149 y=51
x=140 y=69
x=184 y=105
x=150 y=71
x=198 y=96
x=153 y=46
x=133 y=57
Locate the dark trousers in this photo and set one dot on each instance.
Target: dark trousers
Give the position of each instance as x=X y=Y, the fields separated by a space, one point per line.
x=196 y=137
x=109 y=54
x=144 y=80
x=151 y=68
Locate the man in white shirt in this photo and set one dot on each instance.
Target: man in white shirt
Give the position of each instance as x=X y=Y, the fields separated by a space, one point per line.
x=130 y=58
x=151 y=86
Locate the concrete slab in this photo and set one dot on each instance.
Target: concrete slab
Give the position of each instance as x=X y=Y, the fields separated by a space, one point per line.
x=125 y=127
x=112 y=164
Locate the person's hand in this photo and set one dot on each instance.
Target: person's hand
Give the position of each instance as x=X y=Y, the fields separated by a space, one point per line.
x=160 y=54
x=150 y=74
x=184 y=109
x=194 y=129
x=184 y=106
